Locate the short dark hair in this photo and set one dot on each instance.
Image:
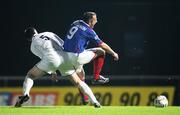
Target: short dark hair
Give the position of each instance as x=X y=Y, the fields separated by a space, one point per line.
x=29 y=32
x=88 y=16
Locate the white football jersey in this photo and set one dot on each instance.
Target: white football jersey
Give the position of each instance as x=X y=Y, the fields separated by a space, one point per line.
x=42 y=43
x=49 y=48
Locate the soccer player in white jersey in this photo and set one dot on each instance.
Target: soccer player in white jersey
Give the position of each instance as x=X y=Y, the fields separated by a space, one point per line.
x=48 y=47
x=76 y=41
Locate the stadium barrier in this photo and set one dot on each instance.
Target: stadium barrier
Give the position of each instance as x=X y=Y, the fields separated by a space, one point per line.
x=108 y=96
x=114 y=94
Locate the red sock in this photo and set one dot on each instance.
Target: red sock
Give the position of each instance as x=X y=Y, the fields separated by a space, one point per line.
x=85 y=97
x=98 y=64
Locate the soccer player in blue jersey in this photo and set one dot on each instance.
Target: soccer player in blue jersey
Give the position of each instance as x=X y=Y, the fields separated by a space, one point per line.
x=76 y=41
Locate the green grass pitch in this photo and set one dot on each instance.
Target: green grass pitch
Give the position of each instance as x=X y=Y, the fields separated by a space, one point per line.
x=89 y=110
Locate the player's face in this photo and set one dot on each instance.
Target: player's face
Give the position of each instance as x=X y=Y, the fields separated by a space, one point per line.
x=93 y=21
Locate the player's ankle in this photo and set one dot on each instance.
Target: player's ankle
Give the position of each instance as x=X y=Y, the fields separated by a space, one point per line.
x=96 y=77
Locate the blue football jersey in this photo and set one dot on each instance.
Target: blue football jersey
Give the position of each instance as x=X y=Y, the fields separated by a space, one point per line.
x=79 y=36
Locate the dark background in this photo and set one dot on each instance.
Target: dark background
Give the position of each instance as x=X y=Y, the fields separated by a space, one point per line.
x=144 y=33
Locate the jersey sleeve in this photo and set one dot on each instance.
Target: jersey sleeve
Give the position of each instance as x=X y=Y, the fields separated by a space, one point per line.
x=93 y=37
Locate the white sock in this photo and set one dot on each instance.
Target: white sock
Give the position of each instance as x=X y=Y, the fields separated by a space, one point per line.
x=27 y=85
x=85 y=88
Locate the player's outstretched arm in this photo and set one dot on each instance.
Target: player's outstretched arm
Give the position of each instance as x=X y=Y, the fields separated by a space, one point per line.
x=109 y=50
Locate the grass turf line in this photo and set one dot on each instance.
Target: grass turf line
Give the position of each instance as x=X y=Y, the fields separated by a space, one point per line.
x=89 y=110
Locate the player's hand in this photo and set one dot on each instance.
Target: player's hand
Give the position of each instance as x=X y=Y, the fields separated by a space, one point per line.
x=54 y=77
x=116 y=56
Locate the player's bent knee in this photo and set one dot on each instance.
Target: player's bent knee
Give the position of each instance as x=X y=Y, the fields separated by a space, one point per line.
x=75 y=79
x=100 y=52
x=81 y=74
x=35 y=73
x=30 y=75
